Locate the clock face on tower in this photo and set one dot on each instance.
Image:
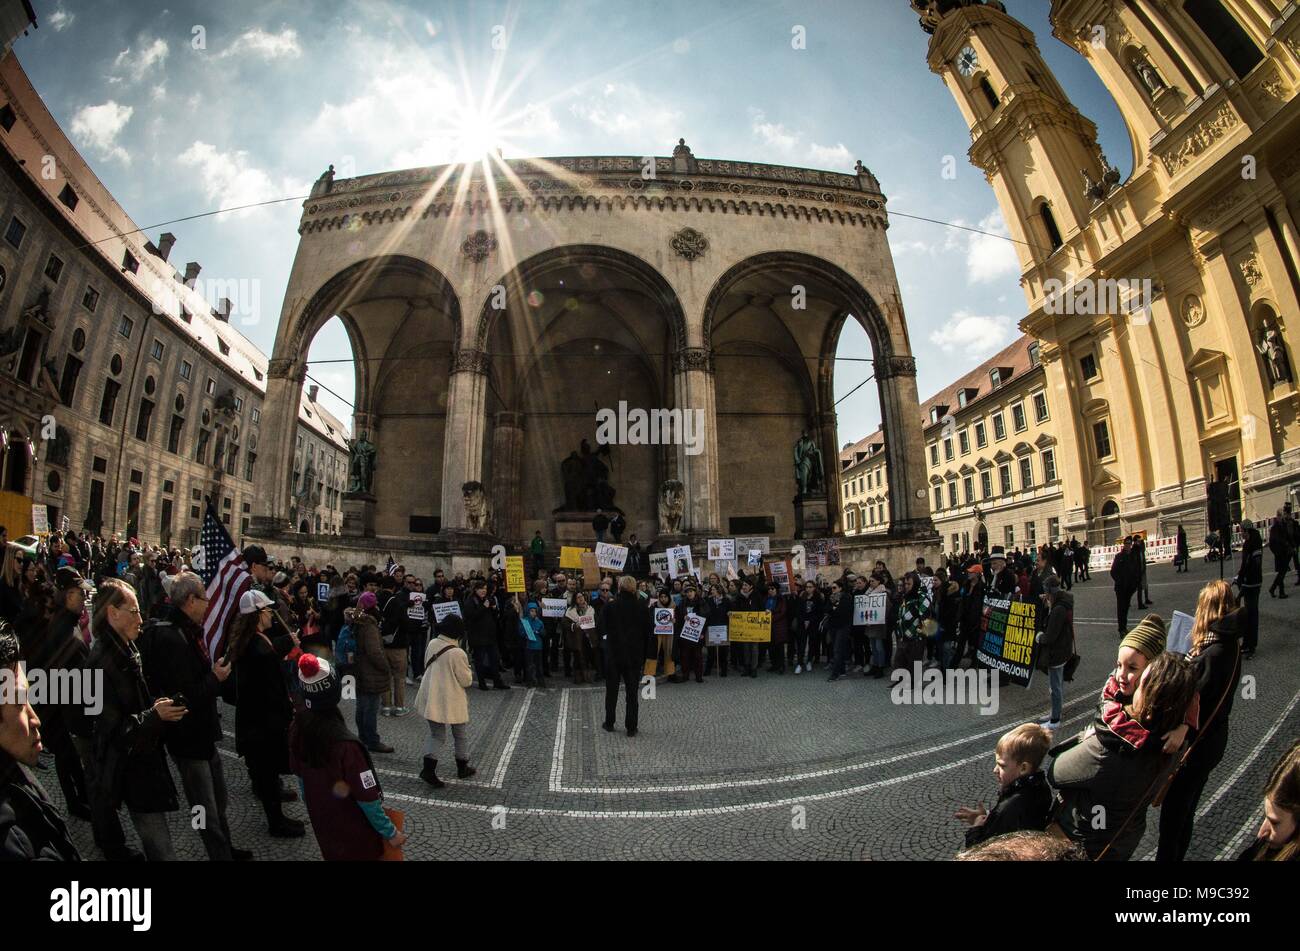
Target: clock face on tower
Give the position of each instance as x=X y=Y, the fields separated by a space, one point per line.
x=968 y=61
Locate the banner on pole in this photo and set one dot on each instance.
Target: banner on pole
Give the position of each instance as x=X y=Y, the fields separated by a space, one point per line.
x=515 y=582
x=1007 y=638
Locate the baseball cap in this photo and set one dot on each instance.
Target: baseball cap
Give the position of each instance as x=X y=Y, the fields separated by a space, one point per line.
x=253 y=601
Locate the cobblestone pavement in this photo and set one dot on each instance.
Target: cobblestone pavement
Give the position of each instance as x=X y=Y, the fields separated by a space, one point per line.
x=774 y=767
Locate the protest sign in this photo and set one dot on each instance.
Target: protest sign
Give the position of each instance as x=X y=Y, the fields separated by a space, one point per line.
x=859 y=610
x=1007 y=638
x=877 y=605
x=659 y=564
x=590 y=569
x=441 y=611
x=587 y=621
x=415 y=610
x=693 y=628
x=927 y=582
x=722 y=549
x=680 y=563
x=717 y=635
x=571 y=557
x=554 y=607
x=755 y=558
x=515 y=582
x=782 y=573
x=664 y=622
x=1180 y=633
x=749 y=627
x=40 y=519
x=613 y=557
x=754 y=542
x=322 y=592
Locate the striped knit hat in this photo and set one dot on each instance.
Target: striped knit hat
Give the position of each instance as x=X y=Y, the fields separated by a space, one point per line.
x=1148 y=638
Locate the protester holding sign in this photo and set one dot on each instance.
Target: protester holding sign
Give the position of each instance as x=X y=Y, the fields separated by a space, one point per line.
x=716 y=610
x=689 y=624
x=808 y=613
x=665 y=626
x=578 y=623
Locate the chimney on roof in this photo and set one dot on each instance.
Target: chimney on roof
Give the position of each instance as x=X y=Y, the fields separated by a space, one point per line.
x=165 y=244
x=222 y=313
x=192 y=274
x=312 y=392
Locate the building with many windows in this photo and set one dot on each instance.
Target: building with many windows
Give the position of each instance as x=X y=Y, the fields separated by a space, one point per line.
x=126 y=396
x=992 y=472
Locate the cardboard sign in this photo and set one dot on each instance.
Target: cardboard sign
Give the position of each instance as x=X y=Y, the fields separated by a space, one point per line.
x=754 y=543
x=613 y=557
x=680 y=563
x=877 y=605
x=40 y=520
x=693 y=628
x=554 y=607
x=664 y=622
x=515 y=582
x=722 y=549
x=1007 y=638
x=443 y=610
x=587 y=621
x=415 y=610
x=749 y=627
x=717 y=635
x=755 y=558
x=571 y=557
x=1180 y=633
x=782 y=573
x=659 y=564
x=590 y=569
x=322 y=592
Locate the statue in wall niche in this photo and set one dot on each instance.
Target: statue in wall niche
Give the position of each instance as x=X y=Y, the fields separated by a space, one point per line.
x=361 y=463
x=672 y=502
x=809 y=474
x=476 y=508
x=1149 y=76
x=1274 y=353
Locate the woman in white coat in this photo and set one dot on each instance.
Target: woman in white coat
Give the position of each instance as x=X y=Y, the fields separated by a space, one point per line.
x=443 y=698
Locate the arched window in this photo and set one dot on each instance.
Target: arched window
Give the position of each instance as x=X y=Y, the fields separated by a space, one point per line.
x=987 y=88
x=1228 y=36
x=1049 y=223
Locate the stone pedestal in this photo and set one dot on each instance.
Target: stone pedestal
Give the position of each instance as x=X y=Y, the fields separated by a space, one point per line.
x=574 y=528
x=359 y=515
x=811 y=516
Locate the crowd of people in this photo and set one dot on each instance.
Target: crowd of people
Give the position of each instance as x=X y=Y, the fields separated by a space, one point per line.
x=300 y=634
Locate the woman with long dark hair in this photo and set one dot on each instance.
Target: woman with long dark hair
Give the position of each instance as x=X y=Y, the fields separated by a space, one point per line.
x=263 y=710
x=1279 y=833
x=335 y=774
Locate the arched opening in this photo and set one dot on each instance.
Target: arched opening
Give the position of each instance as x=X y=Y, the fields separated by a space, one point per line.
x=580 y=403
x=990 y=96
x=16 y=462
x=1050 y=226
x=1227 y=34
x=1107 y=529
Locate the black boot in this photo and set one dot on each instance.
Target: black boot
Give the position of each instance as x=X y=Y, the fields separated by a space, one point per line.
x=464 y=770
x=429 y=773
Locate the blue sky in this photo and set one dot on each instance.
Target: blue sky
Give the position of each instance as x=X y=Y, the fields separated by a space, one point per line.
x=282 y=88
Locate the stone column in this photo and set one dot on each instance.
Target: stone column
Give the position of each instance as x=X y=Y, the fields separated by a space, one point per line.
x=1073 y=456
x=693 y=390
x=827 y=441
x=279 y=426
x=900 y=415
x=505 y=497
x=462 y=448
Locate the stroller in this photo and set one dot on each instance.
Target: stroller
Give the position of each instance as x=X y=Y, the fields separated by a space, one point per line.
x=1213 y=550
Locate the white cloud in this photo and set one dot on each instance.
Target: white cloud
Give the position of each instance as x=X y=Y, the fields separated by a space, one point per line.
x=625 y=111
x=257 y=42
x=990 y=259
x=138 y=65
x=790 y=146
x=973 y=336
x=98 y=127
x=229 y=180
x=60 y=20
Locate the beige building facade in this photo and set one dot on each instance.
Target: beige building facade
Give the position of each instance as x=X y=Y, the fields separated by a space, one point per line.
x=1164 y=306
x=127 y=397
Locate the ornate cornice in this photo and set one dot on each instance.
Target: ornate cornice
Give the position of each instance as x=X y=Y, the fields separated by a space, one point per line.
x=693 y=358
x=281 y=369
x=470 y=361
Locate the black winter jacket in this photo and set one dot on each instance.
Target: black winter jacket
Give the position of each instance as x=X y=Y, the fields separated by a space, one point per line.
x=176 y=662
x=1022 y=807
x=30 y=828
x=629 y=630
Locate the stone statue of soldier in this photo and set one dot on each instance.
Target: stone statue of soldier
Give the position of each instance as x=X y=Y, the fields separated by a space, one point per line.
x=361 y=471
x=809 y=474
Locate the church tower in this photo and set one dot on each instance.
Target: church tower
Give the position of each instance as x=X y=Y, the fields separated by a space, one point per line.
x=1038 y=152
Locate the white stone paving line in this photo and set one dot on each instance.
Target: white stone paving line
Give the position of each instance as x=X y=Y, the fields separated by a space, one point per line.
x=557 y=766
x=1234 y=846
x=1237 y=773
x=696 y=813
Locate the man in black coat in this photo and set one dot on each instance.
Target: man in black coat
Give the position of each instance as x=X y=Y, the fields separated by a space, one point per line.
x=1127 y=575
x=176 y=665
x=628 y=635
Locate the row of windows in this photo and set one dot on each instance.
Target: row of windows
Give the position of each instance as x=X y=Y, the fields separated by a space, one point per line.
x=961 y=541
x=872 y=514
x=1019 y=422
x=874 y=479
x=966 y=496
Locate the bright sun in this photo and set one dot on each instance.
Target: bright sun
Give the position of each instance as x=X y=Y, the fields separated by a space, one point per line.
x=477 y=135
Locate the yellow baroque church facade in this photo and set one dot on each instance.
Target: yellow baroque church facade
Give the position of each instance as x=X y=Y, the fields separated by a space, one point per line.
x=1165 y=306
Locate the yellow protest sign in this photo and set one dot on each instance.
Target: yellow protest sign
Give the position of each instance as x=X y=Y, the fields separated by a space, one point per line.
x=749 y=627
x=571 y=557
x=515 y=573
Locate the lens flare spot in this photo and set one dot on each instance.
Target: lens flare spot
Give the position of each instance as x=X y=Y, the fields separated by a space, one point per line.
x=341 y=790
x=536 y=299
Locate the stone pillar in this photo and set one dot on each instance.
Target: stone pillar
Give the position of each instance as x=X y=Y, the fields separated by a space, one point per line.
x=827 y=437
x=279 y=426
x=505 y=497
x=1073 y=457
x=693 y=390
x=462 y=449
x=900 y=415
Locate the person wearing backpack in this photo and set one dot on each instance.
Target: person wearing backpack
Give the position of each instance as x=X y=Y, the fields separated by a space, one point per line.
x=443 y=698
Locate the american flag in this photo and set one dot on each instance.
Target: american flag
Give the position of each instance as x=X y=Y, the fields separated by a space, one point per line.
x=221 y=566
x=391 y=566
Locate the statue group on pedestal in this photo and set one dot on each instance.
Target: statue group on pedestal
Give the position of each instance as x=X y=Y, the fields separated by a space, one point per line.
x=585 y=475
